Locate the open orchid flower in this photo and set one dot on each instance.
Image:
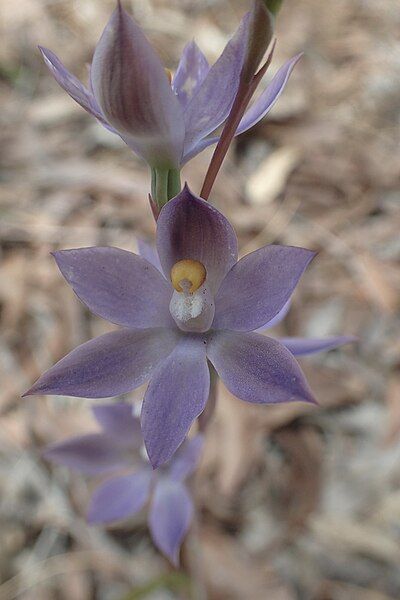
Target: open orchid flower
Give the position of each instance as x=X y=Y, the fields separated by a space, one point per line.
x=165 y=123
x=131 y=483
x=204 y=305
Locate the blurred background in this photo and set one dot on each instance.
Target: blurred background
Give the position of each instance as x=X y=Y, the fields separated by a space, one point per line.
x=294 y=503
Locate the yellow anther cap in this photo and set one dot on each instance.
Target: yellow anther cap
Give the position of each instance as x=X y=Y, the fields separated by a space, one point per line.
x=187 y=270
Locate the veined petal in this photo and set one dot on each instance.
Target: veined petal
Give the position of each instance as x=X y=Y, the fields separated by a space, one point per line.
x=73 y=86
x=109 y=365
x=120 y=497
x=278 y=318
x=259 y=109
x=213 y=100
x=192 y=69
x=190 y=228
x=269 y=96
x=176 y=396
x=257 y=368
x=133 y=91
x=117 y=285
x=119 y=423
x=185 y=460
x=301 y=346
x=170 y=516
x=91 y=454
x=258 y=286
x=149 y=252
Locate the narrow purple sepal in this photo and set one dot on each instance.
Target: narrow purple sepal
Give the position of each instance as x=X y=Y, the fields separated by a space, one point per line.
x=213 y=100
x=301 y=346
x=191 y=72
x=257 y=368
x=176 y=396
x=109 y=365
x=269 y=96
x=120 y=497
x=133 y=91
x=257 y=111
x=73 y=86
x=190 y=228
x=258 y=286
x=117 y=285
x=170 y=516
x=91 y=454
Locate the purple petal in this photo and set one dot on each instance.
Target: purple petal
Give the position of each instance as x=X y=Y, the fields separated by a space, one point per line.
x=278 y=318
x=300 y=346
x=149 y=252
x=192 y=69
x=185 y=460
x=112 y=364
x=256 y=368
x=176 y=396
x=133 y=91
x=258 y=286
x=170 y=516
x=213 y=100
x=117 y=285
x=255 y=113
x=118 y=422
x=91 y=454
x=73 y=86
x=269 y=96
x=188 y=227
x=120 y=497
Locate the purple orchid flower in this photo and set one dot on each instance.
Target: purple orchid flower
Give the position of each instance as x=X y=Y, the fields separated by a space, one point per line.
x=205 y=304
x=116 y=451
x=164 y=123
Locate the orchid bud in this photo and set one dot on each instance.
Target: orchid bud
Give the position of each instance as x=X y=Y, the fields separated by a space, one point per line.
x=259 y=38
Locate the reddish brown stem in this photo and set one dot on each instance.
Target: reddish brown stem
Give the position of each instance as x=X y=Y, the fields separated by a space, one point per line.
x=241 y=102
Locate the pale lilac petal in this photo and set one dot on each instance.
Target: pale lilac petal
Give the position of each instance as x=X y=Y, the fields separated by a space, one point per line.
x=112 y=364
x=170 y=516
x=192 y=69
x=257 y=368
x=185 y=460
x=269 y=96
x=117 y=285
x=255 y=113
x=91 y=454
x=300 y=346
x=73 y=86
x=258 y=286
x=149 y=252
x=213 y=100
x=199 y=147
x=120 y=497
x=176 y=396
x=278 y=318
x=118 y=422
x=133 y=91
x=188 y=227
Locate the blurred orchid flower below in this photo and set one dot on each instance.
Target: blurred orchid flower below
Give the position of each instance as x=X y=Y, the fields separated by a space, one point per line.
x=132 y=483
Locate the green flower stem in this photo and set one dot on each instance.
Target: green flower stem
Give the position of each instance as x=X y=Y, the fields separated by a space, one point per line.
x=165 y=184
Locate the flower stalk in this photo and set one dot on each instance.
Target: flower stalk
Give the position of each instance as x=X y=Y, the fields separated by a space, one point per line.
x=165 y=184
x=244 y=95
